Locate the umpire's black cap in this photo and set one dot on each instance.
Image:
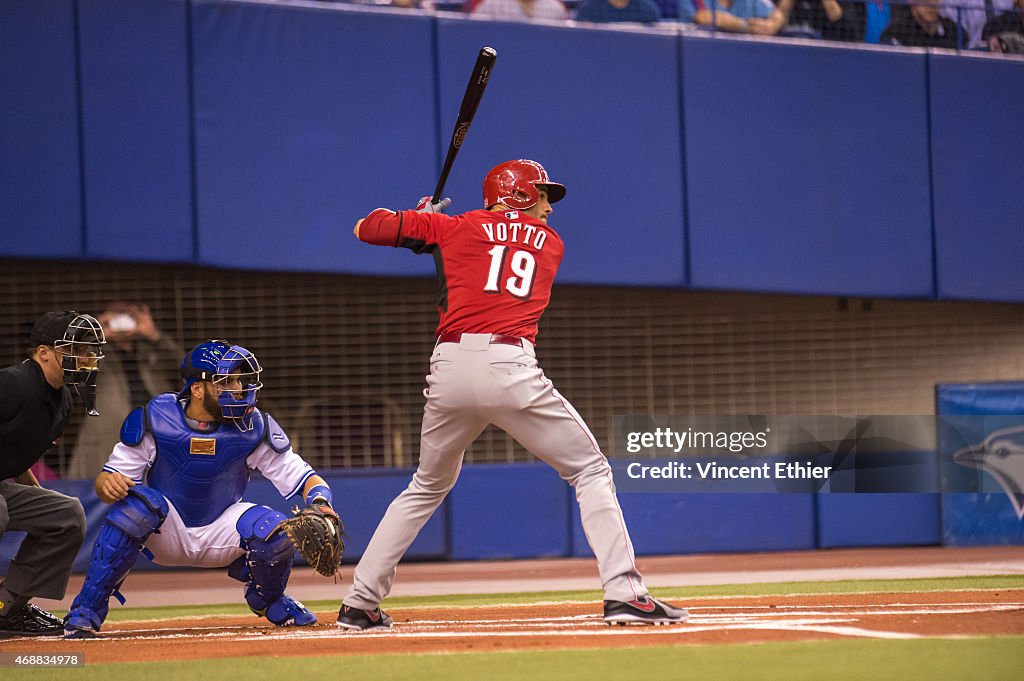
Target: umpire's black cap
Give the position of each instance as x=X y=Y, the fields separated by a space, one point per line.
x=51 y=327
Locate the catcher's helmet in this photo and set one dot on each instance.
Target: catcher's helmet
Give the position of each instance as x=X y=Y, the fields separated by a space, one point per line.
x=515 y=183
x=200 y=364
x=223 y=365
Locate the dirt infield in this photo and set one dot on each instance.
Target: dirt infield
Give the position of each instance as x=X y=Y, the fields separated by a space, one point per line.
x=559 y=626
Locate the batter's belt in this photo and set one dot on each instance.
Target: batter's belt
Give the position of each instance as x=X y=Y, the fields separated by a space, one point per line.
x=501 y=339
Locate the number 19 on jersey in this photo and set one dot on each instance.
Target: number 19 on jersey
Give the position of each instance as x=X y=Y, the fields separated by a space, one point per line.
x=523 y=266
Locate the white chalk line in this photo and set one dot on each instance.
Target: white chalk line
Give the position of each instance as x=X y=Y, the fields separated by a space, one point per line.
x=849 y=605
x=859 y=610
x=850 y=631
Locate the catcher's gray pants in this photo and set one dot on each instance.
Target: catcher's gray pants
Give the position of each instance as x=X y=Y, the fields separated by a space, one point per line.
x=474 y=383
x=55 y=524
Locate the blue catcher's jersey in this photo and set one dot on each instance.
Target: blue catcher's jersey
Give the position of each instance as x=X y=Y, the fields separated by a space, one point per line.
x=200 y=473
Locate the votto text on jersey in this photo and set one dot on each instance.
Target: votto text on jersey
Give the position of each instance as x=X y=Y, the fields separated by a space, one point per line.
x=515 y=232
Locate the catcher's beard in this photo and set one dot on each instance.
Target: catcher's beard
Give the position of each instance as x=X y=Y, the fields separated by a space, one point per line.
x=211 y=405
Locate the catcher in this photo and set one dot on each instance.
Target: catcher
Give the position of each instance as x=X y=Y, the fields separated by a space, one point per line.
x=175 y=481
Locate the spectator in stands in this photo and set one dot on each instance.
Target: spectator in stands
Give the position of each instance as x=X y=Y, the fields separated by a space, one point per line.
x=760 y=17
x=135 y=369
x=518 y=10
x=1005 y=33
x=607 y=11
x=827 y=19
x=973 y=15
x=923 y=26
x=877 y=17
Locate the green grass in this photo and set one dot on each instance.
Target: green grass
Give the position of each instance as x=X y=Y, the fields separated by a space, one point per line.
x=119 y=614
x=977 y=659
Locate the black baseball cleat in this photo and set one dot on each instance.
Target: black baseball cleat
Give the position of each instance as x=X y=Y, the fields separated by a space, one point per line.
x=355 y=619
x=29 y=620
x=646 y=610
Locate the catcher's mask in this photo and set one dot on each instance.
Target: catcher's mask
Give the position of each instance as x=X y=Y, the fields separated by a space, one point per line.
x=234 y=373
x=78 y=340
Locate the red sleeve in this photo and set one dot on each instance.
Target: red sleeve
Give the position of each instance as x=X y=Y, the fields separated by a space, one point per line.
x=419 y=229
x=381 y=228
x=406 y=228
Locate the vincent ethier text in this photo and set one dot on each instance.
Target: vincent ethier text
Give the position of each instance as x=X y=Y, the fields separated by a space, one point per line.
x=711 y=470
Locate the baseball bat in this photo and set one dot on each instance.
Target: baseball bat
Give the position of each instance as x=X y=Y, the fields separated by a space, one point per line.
x=470 y=102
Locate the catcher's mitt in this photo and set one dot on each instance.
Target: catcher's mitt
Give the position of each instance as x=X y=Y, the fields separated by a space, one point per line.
x=318 y=535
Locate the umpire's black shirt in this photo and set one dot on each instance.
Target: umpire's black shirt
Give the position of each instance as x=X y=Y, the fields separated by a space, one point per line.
x=32 y=416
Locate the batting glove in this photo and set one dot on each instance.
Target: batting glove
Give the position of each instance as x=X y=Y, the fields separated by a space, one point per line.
x=425 y=206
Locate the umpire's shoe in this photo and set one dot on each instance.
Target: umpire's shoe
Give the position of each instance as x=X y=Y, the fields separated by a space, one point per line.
x=355 y=619
x=29 y=620
x=645 y=610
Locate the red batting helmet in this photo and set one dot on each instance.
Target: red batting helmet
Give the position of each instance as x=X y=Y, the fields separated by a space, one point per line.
x=515 y=183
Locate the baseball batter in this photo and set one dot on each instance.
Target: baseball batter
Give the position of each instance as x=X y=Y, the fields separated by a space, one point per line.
x=496 y=267
x=175 y=482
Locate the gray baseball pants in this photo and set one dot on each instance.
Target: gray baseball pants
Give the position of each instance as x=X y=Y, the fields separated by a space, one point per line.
x=55 y=524
x=472 y=384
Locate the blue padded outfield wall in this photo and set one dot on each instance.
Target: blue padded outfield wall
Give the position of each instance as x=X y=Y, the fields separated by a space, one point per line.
x=40 y=178
x=136 y=132
x=816 y=181
x=505 y=511
x=253 y=135
x=304 y=120
x=979 y=217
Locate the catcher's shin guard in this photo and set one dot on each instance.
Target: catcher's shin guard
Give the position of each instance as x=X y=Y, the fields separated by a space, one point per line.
x=266 y=567
x=129 y=523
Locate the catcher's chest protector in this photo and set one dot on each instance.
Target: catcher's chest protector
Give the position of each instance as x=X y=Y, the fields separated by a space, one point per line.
x=200 y=473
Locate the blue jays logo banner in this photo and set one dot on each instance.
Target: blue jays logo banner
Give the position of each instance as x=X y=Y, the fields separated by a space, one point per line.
x=981 y=446
x=1001 y=456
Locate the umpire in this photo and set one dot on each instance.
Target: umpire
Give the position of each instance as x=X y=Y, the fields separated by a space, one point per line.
x=35 y=403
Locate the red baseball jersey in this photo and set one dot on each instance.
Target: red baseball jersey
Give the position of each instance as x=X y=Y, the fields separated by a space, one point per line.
x=494 y=269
